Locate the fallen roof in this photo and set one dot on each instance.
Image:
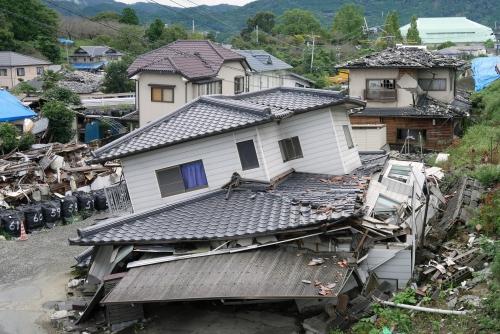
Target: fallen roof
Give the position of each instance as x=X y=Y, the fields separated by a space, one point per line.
x=208 y=116
x=192 y=59
x=260 y=274
x=261 y=61
x=10 y=58
x=301 y=200
x=404 y=57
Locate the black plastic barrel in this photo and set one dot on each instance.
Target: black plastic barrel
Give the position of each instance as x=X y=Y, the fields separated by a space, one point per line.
x=51 y=211
x=10 y=221
x=69 y=208
x=33 y=217
x=85 y=201
x=100 y=201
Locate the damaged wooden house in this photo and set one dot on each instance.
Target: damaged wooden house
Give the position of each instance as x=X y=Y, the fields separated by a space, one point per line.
x=410 y=92
x=261 y=196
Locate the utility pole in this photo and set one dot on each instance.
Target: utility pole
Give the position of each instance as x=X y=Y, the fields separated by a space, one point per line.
x=193 y=26
x=257 y=33
x=313 y=36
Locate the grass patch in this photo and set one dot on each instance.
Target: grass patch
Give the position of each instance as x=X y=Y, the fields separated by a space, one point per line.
x=487 y=174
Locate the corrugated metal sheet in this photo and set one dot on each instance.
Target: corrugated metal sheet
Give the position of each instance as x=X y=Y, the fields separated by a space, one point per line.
x=262 y=274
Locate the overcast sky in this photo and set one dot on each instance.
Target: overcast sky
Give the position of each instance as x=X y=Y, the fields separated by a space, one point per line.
x=199 y=2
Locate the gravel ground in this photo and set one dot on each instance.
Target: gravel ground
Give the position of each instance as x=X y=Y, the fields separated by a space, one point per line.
x=47 y=250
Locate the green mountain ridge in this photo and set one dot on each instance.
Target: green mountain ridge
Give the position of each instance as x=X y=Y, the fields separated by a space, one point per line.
x=229 y=19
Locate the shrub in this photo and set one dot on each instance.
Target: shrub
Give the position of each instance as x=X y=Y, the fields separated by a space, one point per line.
x=60 y=121
x=26 y=140
x=406 y=296
x=8 y=137
x=487 y=174
x=62 y=94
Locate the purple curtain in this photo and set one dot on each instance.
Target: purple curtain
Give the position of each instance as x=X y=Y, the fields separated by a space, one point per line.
x=193 y=175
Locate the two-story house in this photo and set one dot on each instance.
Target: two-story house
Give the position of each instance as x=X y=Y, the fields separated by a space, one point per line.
x=16 y=67
x=411 y=91
x=259 y=135
x=93 y=58
x=267 y=71
x=177 y=73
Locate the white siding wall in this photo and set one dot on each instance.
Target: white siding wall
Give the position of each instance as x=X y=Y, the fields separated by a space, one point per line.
x=227 y=73
x=220 y=159
x=369 y=137
x=396 y=267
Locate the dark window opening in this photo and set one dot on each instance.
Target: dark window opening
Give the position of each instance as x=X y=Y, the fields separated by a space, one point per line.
x=3 y=72
x=381 y=89
x=20 y=71
x=432 y=84
x=413 y=134
x=210 y=88
x=183 y=178
x=248 y=155
x=162 y=94
x=239 y=85
x=39 y=70
x=290 y=149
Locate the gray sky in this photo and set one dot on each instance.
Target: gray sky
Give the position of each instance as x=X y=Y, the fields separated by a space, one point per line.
x=199 y=2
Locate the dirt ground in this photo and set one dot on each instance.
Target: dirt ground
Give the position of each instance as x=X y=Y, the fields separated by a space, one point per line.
x=34 y=274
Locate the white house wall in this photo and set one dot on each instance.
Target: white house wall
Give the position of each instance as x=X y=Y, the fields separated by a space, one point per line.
x=227 y=73
x=391 y=265
x=369 y=137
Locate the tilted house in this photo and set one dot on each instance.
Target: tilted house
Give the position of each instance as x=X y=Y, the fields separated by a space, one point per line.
x=16 y=67
x=93 y=58
x=411 y=91
x=177 y=73
x=267 y=71
x=259 y=135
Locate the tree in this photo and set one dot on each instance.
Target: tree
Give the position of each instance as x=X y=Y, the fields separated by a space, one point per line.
x=489 y=44
x=265 y=21
x=412 y=35
x=50 y=79
x=173 y=33
x=348 y=23
x=129 y=17
x=62 y=95
x=116 y=78
x=106 y=16
x=391 y=29
x=129 y=40
x=8 y=137
x=155 y=30
x=23 y=88
x=49 y=49
x=60 y=121
x=297 y=22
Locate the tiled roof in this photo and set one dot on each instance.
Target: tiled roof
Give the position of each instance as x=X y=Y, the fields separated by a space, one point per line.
x=299 y=201
x=261 y=61
x=98 y=50
x=192 y=59
x=9 y=58
x=208 y=116
x=404 y=57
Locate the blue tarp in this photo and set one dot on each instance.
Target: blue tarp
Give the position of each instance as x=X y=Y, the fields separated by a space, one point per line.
x=483 y=71
x=92 y=131
x=65 y=41
x=89 y=66
x=11 y=109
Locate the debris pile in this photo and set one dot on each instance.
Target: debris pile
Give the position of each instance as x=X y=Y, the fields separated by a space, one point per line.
x=82 y=82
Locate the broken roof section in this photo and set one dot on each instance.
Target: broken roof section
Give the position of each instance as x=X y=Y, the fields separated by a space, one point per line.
x=261 y=61
x=404 y=57
x=208 y=116
x=262 y=274
x=192 y=59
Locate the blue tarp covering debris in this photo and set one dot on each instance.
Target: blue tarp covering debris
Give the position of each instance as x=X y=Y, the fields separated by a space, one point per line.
x=11 y=109
x=65 y=41
x=483 y=71
x=89 y=66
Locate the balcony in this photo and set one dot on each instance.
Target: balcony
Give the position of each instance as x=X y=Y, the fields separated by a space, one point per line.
x=381 y=95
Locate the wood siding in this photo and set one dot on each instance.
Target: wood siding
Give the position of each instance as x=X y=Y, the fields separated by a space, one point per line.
x=438 y=135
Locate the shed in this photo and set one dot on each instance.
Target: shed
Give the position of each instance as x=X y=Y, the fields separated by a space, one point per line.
x=11 y=109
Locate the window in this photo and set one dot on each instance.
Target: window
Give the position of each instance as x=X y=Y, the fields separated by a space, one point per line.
x=214 y=87
x=432 y=84
x=3 y=72
x=39 y=70
x=183 y=178
x=162 y=94
x=385 y=205
x=290 y=149
x=348 y=137
x=20 y=71
x=239 y=85
x=299 y=85
x=248 y=155
x=381 y=89
x=400 y=173
x=402 y=134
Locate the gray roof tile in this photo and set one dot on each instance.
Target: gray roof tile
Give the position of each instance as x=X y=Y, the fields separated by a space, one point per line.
x=9 y=58
x=300 y=200
x=213 y=115
x=261 y=61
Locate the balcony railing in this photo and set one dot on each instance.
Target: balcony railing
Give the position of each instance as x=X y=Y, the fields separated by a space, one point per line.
x=381 y=94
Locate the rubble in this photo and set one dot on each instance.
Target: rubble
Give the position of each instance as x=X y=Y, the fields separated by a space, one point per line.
x=82 y=82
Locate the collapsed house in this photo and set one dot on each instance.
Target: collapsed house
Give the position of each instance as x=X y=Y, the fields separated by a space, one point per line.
x=271 y=202
x=411 y=95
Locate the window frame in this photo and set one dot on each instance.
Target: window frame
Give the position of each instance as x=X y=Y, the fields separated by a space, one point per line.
x=162 y=87
x=39 y=70
x=3 y=70
x=391 y=211
x=178 y=167
x=381 y=89
x=428 y=87
x=398 y=173
x=294 y=143
x=23 y=70
x=247 y=161
x=348 y=136
x=401 y=131
x=239 y=80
